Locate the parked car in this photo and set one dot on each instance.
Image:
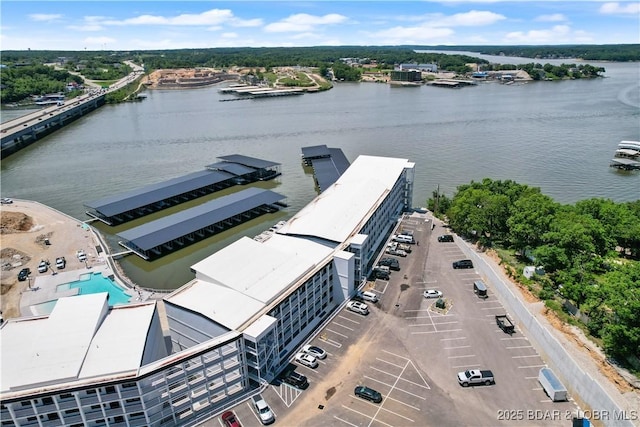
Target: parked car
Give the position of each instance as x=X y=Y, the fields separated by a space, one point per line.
x=230 y=420
x=264 y=412
x=432 y=293
x=61 y=263
x=366 y=296
x=404 y=247
x=306 y=360
x=82 y=256
x=396 y=252
x=445 y=238
x=358 y=307
x=315 y=351
x=392 y=263
x=23 y=274
x=381 y=273
x=43 y=266
x=367 y=393
x=463 y=263
x=296 y=379
x=475 y=377
x=6 y=201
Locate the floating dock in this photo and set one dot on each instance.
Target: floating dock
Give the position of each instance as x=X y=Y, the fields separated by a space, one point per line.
x=627 y=156
x=328 y=164
x=253 y=92
x=166 y=235
x=233 y=170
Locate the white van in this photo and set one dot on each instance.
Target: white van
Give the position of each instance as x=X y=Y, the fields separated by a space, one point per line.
x=402 y=238
x=369 y=296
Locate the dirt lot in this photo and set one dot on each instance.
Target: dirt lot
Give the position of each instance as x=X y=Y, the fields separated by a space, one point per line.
x=24 y=226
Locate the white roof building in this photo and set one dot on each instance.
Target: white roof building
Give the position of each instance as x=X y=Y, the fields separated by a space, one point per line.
x=82 y=338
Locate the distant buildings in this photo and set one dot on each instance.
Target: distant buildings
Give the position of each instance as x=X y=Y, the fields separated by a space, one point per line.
x=218 y=338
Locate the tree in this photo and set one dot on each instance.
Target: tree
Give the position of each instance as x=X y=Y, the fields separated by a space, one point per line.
x=529 y=219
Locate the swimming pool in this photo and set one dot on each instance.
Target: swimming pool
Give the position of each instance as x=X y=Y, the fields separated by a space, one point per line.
x=95 y=283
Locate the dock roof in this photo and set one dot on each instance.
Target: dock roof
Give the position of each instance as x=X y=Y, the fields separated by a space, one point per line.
x=327 y=170
x=153 y=193
x=249 y=161
x=163 y=230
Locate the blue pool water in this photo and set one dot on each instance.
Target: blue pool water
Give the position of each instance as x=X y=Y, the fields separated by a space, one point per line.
x=96 y=283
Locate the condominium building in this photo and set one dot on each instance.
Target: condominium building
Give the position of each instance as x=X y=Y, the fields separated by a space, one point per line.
x=218 y=338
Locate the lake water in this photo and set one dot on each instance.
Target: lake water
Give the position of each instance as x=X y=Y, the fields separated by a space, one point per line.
x=559 y=136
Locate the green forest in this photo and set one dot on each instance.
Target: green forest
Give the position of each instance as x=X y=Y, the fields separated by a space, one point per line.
x=590 y=252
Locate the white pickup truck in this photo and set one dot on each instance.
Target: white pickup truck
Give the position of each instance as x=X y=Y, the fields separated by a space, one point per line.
x=475 y=376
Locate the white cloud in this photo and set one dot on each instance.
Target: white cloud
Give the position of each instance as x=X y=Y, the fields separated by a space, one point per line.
x=304 y=22
x=473 y=18
x=229 y=35
x=45 y=17
x=411 y=35
x=556 y=17
x=243 y=23
x=209 y=18
x=632 y=8
x=86 y=27
x=557 y=35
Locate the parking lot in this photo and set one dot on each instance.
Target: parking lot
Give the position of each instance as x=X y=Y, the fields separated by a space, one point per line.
x=410 y=351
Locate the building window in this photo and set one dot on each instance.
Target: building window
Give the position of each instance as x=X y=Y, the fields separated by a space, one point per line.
x=47 y=401
x=110 y=389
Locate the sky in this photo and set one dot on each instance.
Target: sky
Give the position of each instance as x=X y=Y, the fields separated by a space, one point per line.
x=152 y=25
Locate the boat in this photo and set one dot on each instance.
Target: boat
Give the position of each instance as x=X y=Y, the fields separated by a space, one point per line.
x=627 y=156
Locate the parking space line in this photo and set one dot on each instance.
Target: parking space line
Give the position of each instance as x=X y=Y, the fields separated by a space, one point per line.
x=414 y=325
x=396 y=355
x=492 y=308
x=537 y=389
x=531 y=366
x=391 y=412
x=345 y=421
x=514 y=338
x=342 y=326
x=349 y=320
x=451 y=339
x=472 y=365
x=253 y=412
x=336 y=344
x=519 y=346
x=385 y=361
x=530 y=378
x=403 y=403
x=366 y=415
x=522 y=357
x=426 y=386
x=445 y=323
x=454 y=348
x=434 y=332
x=460 y=357
x=337 y=333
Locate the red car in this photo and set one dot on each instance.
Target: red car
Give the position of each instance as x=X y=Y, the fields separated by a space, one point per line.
x=230 y=419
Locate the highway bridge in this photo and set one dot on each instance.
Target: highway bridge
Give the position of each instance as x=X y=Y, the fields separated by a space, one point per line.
x=23 y=131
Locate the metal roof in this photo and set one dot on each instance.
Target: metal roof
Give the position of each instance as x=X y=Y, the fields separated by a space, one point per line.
x=328 y=169
x=171 y=227
x=120 y=203
x=233 y=168
x=315 y=151
x=248 y=161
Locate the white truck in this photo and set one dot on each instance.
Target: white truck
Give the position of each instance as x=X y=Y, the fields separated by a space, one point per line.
x=475 y=377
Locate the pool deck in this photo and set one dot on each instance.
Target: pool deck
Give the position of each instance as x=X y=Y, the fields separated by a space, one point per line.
x=44 y=288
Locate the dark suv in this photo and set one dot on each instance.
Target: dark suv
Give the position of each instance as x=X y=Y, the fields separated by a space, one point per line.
x=367 y=393
x=24 y=273
x=463 y=263
x=392 y=263
x=296 y=379
x=445 y=238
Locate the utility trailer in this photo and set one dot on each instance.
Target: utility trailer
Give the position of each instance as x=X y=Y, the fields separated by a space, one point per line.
x=552 y=385
x=504 y=323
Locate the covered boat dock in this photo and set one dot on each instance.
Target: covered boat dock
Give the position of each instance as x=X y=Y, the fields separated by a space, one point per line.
x=166 y=235
x=233 y=170
x=328 y=164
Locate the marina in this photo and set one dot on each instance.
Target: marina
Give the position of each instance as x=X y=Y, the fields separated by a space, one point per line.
x=253 y=92
x=232 y=170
